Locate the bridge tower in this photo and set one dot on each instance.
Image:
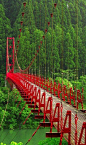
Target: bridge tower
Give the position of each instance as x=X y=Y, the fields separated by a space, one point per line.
x=10 y=55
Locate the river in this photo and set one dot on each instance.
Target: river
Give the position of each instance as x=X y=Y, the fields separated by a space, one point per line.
x=23 y=135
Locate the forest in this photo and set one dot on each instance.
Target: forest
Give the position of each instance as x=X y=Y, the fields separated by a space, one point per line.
x=37 y=14
x=62 y=49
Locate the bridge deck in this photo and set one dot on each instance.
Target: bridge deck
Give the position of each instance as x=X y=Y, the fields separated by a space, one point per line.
x=22 y=85
x=81 y=116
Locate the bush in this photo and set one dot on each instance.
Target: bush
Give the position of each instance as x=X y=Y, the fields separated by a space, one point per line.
x=13 y=143
x=52 y=141
x=65 y=82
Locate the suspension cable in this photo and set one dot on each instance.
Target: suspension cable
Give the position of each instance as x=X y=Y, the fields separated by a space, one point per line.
x=55 y=4
x=35 y=42
x=52 y=49
x=6 y=133
x=52 y=41
x=32 y=135
x=62 y=78
x=40 y=38
x=77 y=47
x=21 y=123
x=62 y=49
x=77 y=51
x=76 y=117
x=45 y=39
x=83 y=66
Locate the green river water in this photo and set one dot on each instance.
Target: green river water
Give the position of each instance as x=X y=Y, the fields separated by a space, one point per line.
x=23 y=135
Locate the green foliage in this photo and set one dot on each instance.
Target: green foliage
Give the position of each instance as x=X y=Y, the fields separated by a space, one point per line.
x=52 y=141
x=65 y=82
x=2 y=80
x=13 y=143
x=5 y=30
x=12 y=118
x=37 y=14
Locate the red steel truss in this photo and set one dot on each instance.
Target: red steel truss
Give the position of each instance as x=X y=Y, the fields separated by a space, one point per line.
x=10 y=55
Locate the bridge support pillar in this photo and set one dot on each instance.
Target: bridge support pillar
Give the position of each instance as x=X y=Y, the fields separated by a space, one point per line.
x=66 y=129
x=10 y=55
x=81 y=134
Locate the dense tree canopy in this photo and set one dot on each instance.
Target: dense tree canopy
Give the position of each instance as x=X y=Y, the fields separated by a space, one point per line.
x=65 y=34
x=5 y=30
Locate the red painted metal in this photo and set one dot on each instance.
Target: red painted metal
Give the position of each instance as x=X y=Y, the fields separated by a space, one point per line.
x=51 y=15
x=27 y=118
x=39 y=47
x=23 y=14
x=24 y=3
x=10 y=55
x=21 y=23
x=45 y=30
x=39 y=116
x=81 y=134
x=12 y=69
x=52 y=134
x=10 y=46
x=43 y=37
x=49 y=109
x=56 y=116
x=30 y=106
x=19 y=103
x=18 y=41
x=76 y=119
x=10 y=65
x=22 y=109
x=37 y=101
x=55 y=89
x=20 y=30
x=72 y=96
x=66 y=129
x=61 y=125
x=33 y=134
x=34 y=110
x=16 y=50
x=19 y=36
x=51 y=87
x=31 y=92
x=55 y=5
x=45 y=124
x=48 y=23
x=79 y=98
x=65 y=94
x=47 y=85
x=36 y=97
x=42 y=105
x=59 y=90
x=41 y=42
x=16 y=99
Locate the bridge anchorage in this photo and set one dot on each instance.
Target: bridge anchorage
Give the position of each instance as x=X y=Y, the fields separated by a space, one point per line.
x=48 y=99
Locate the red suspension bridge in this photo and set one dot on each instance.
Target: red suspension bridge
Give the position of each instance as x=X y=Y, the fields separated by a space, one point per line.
x=53 y=100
